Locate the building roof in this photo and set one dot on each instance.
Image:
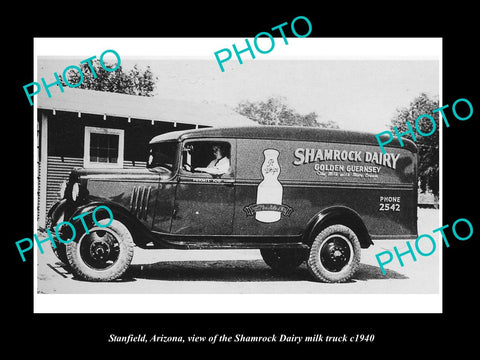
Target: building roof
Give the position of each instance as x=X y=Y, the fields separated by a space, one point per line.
x=300 y=133
x=140 y=107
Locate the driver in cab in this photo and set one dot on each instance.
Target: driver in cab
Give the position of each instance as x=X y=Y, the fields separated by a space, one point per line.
x=218 y=166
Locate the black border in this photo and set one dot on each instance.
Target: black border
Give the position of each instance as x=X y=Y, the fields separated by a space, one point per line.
x=405 y=332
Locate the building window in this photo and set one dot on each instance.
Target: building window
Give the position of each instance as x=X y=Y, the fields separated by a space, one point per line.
x=103 y=147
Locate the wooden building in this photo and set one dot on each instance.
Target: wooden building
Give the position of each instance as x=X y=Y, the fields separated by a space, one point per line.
x=86 y=128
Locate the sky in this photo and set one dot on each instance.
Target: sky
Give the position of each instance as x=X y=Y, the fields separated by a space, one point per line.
x=356 y=94
x=356 y=89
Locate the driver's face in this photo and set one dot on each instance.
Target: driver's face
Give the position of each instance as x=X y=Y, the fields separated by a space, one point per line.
x=217 y=152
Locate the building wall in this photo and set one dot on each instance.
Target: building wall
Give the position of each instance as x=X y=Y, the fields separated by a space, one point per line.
x=66 y=133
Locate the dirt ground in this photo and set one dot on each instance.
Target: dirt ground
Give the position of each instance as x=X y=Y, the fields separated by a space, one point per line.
x=244 y=272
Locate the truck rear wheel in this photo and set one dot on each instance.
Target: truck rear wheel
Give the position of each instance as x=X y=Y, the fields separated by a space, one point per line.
x=335 y=254
x=102 y=255
x=283 y=260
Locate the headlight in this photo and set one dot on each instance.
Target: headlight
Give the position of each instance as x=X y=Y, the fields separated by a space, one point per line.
x=75 y=191
x=69 y=191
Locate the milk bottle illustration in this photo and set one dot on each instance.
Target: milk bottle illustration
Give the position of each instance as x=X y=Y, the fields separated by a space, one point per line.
x=269 y=191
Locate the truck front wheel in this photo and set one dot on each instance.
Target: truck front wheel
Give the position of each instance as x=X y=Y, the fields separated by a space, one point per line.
x=334 y=254
x=60 y=251
x=102 y=254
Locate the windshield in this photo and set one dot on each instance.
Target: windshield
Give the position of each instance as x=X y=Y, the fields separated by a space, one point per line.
x=162 y=154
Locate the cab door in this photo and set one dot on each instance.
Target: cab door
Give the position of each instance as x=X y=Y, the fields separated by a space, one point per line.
x=204 y=203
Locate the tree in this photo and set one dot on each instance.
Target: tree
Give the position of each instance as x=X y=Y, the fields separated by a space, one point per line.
x=274 y=111
x=428 y=146
x=133 y=82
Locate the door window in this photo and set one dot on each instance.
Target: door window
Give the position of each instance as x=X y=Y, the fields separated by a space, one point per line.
x=207 y=158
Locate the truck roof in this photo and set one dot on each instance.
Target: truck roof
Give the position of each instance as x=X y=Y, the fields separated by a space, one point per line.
x=300 y=133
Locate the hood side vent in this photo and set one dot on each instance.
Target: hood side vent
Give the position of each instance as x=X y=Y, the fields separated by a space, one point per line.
x=139 y=201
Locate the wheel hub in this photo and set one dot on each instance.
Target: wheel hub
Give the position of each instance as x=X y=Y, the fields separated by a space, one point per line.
x=99 y=249
x=335 y=253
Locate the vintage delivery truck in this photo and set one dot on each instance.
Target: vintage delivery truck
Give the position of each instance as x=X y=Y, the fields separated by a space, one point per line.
x=297 y=194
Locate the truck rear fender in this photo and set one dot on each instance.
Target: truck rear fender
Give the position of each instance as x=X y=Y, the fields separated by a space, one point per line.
x=337 y=215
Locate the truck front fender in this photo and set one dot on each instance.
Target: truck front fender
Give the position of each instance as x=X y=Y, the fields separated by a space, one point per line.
x=60 y=211
x=66 y=211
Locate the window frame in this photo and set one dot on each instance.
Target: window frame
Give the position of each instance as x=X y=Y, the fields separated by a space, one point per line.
x=105 y=131
x=175 y=158
x=230 y=175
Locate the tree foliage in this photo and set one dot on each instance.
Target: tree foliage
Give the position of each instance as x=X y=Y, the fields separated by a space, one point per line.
x=134 y=82
x=428 y=146
x=274 y=111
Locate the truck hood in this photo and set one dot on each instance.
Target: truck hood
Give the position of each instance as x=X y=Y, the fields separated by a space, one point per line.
x=82 y=174
x=132 y=189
